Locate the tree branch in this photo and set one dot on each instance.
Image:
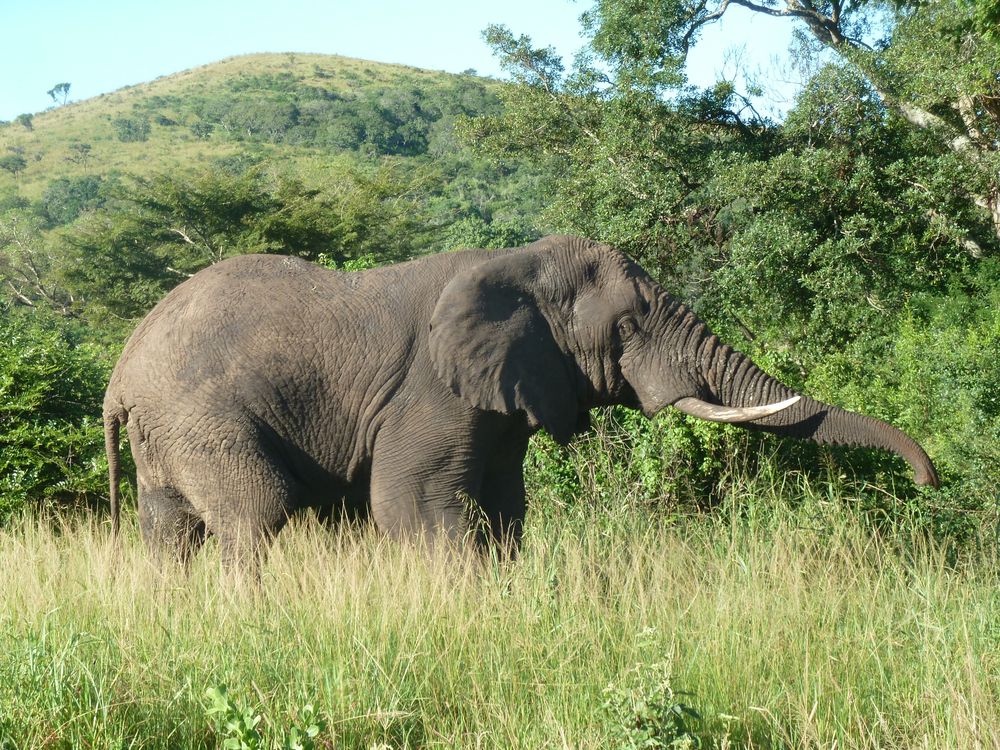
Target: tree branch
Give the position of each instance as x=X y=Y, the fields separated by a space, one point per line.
x=713 y=16
x=559 y=101
x=183 y=236
x=19 y=296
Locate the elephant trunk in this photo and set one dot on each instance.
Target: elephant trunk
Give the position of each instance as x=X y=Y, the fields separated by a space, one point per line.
x=734 y=380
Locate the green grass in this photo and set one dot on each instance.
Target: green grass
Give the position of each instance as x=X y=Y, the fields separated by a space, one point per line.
x=48 y=145
x=786 y=628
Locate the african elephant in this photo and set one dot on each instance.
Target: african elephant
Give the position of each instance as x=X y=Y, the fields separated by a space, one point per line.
x=265 y=384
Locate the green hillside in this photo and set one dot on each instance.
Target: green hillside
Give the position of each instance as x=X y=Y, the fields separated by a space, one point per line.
x=107 y=203
x=292 y=107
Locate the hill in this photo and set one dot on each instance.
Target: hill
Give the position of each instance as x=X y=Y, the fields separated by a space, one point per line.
x=291 y=107
x=106 y=203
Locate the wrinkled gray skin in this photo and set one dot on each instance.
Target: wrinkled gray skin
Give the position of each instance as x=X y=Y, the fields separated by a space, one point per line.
x=266 y=384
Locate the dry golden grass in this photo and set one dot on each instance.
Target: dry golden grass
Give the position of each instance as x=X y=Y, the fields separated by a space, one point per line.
x=801 y=631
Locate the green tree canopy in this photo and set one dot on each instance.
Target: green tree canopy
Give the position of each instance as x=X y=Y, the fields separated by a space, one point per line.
x=59 y=91
x=156 y=232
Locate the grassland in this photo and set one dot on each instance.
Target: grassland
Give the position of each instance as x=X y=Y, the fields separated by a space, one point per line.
x=787 y=629
x=48 y=145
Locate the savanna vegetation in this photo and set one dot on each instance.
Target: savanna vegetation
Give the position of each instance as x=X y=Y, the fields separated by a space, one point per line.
x=683 y=584
x=760 y=626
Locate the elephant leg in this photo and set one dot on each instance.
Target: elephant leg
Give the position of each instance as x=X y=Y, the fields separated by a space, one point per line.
x=503 y=505
x=502 y=498
x=245 y=506
x=168 y=524
x=243 y=544
x=247 y=521
x=422 y=487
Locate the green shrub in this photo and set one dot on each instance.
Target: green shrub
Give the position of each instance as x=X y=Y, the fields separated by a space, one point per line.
x=132 y=130
x=239 y=726
x=51 y=389
x=644 y=713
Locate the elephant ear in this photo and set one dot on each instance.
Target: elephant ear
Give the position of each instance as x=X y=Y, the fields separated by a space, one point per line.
x=491 y=344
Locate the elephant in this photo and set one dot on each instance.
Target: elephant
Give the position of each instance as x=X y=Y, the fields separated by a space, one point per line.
x=266 y=384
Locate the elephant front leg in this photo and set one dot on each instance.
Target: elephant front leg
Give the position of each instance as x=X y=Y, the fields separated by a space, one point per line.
x=502 y=496
x=424 y=487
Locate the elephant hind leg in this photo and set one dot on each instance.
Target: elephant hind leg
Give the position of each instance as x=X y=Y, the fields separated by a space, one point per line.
x=169 y=525
x=243 y=543
x=248 y=509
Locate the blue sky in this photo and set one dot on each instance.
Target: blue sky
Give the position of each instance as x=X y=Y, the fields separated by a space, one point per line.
x=101 y=45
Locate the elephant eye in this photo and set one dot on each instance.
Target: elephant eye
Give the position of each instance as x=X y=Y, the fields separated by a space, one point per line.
x=627 y=327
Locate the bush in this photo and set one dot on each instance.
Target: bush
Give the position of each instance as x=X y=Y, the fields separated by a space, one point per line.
x=65 y=198
x=132 y=130
x=51 y=436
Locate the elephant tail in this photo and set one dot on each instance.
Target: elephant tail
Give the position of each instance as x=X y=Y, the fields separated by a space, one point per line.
x=113 y=419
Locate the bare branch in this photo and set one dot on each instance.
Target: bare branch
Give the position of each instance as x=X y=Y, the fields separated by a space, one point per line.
x=18 y=295
x=183 y=236
x=966 y=107
x=713 y=16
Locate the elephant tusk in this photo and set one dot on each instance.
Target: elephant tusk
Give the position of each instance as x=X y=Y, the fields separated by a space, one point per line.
x=716 y=413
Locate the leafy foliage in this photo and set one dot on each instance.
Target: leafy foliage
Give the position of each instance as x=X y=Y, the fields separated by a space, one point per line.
x=240 y=727
x=645 y=713
x=51 y=385
x=403 y=118
x=13 y=163
x=235 y=723
x=65 y=198
x=817 y=245
x=132 y=130
x=28 y=266
x=158 y=231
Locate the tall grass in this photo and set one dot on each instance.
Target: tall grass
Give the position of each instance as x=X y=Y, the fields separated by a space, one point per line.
x=787 y=628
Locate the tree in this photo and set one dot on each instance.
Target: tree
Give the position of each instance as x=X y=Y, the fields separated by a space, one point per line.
x=28 y=266
x=65 y=198
x=628 y=144
x=57 y=91
x=26 y=121
x=155 y=232
x=938 y=68
x=13 y=163
x=79 y=153
x=131 y=130
x=51 y=387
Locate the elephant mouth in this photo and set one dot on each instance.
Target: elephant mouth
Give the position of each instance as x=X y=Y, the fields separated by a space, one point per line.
x=730 y=414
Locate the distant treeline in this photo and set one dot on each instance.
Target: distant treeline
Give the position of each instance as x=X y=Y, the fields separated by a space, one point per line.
x=405 y=118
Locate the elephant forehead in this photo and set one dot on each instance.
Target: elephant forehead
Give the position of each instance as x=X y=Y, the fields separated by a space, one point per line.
x=605 y=301
x=595 y=309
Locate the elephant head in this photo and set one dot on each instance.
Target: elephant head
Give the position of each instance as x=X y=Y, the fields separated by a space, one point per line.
x=567 y=324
